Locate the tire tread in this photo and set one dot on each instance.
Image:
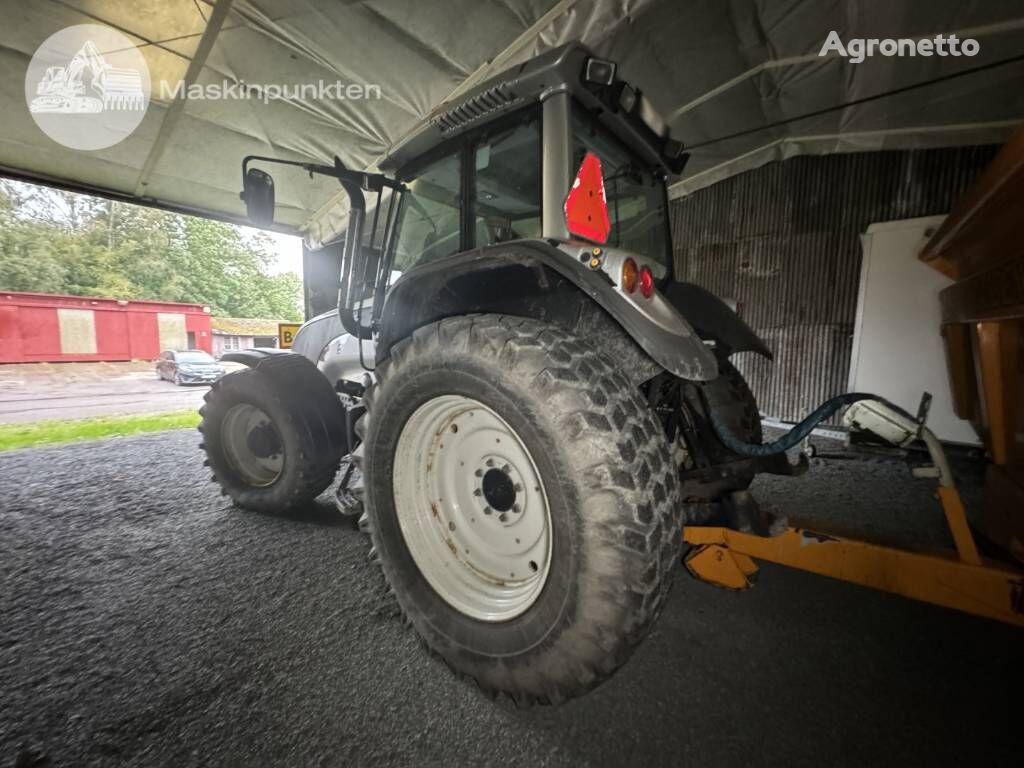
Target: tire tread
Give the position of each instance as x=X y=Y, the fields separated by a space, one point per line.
x=610 y=422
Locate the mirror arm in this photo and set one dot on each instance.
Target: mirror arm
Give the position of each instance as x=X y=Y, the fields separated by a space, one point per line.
x=370 y=182
x=354 y=183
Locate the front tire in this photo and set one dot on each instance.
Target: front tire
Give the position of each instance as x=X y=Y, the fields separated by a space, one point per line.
x=273 y=434
x=589 y=495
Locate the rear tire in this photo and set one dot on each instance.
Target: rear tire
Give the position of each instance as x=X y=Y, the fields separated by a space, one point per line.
x=273 y=434
x=609 y=488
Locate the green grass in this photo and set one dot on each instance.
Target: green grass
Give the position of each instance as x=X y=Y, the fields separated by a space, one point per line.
x=59 y=431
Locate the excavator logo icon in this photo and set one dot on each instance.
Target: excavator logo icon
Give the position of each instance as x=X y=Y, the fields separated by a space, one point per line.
x=87 y=87
x=63 y=89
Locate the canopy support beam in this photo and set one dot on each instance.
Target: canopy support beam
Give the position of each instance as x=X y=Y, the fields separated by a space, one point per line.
x=195 y=67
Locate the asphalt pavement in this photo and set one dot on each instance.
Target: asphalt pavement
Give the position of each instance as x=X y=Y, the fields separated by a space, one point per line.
x=41 y=391
x=145 y=621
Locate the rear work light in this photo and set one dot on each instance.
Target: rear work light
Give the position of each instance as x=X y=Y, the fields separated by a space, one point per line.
x=599 y=71
x=630 y=273
x=646 y=282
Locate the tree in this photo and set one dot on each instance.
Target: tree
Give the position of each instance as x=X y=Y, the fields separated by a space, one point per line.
x=61 y=242
x=29 y=258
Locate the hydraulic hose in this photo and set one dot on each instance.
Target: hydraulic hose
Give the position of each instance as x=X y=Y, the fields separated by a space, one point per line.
x=796 y=434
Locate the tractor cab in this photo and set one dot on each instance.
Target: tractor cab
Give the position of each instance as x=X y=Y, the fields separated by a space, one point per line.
x=487 y=187
x=498 y=164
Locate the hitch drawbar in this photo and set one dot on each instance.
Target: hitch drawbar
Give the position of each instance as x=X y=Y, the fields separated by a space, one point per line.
x=959 y=579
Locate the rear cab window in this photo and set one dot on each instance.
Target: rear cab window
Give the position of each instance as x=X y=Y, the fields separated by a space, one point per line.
x=637 y=202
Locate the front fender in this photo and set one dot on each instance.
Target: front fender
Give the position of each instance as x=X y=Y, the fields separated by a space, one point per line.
x=460 y=284
x=251 y=357
x=315 y=334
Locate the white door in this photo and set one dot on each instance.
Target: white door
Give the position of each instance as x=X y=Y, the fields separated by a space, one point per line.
x=897 y=340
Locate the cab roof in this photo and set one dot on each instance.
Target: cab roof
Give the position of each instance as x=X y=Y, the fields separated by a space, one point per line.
x=558 y=70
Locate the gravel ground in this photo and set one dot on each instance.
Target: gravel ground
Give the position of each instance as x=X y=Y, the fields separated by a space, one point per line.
x=144 y=621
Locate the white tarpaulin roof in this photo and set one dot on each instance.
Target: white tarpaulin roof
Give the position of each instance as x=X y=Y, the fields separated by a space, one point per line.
x=713 y=68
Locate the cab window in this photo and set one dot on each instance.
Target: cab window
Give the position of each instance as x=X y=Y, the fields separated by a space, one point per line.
x=507 y=195
x=635 y=194
x=502 y=168
x=428 y=223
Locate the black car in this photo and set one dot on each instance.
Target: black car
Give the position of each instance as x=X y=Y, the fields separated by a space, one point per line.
x=192 y=366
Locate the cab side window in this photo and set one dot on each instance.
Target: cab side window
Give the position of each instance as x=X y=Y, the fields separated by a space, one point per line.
x=507 y=202
x=429 y=226
x=504 y=204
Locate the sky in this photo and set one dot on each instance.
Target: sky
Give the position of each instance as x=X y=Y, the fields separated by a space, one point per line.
x=288 y=250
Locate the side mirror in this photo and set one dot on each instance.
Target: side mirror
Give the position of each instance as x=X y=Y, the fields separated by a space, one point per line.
x=258 y=196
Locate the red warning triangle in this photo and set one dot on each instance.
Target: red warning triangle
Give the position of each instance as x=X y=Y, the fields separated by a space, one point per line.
x=586 y=209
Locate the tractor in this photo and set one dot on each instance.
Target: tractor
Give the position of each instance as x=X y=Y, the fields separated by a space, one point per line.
x=514 y=393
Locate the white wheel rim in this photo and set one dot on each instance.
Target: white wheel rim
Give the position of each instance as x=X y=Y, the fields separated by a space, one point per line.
x=258 y=462
x=472 y=508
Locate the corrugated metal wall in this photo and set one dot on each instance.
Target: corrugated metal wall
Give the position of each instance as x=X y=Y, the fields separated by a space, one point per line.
x=783 y=241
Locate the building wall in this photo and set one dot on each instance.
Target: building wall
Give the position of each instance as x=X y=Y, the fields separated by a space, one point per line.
x=223 y=342
x=784 y=242
x=37 y=327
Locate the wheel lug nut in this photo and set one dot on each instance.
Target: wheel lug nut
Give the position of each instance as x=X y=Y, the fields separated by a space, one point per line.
x=487 y=510
x=490 y=462
x=477 y=492
x=506 y=469
x=503 y=517
x=515 y=508
x=518 y=488
x=479 y=473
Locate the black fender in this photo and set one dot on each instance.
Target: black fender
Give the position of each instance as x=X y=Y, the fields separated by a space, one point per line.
x=252 y=357
x=713 y=319
x=549 y=281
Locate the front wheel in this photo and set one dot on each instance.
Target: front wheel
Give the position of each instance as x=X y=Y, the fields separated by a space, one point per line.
x=521 y=502
x=273 y=434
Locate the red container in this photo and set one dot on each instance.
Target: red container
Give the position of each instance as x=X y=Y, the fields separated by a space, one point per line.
x=41 y=327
